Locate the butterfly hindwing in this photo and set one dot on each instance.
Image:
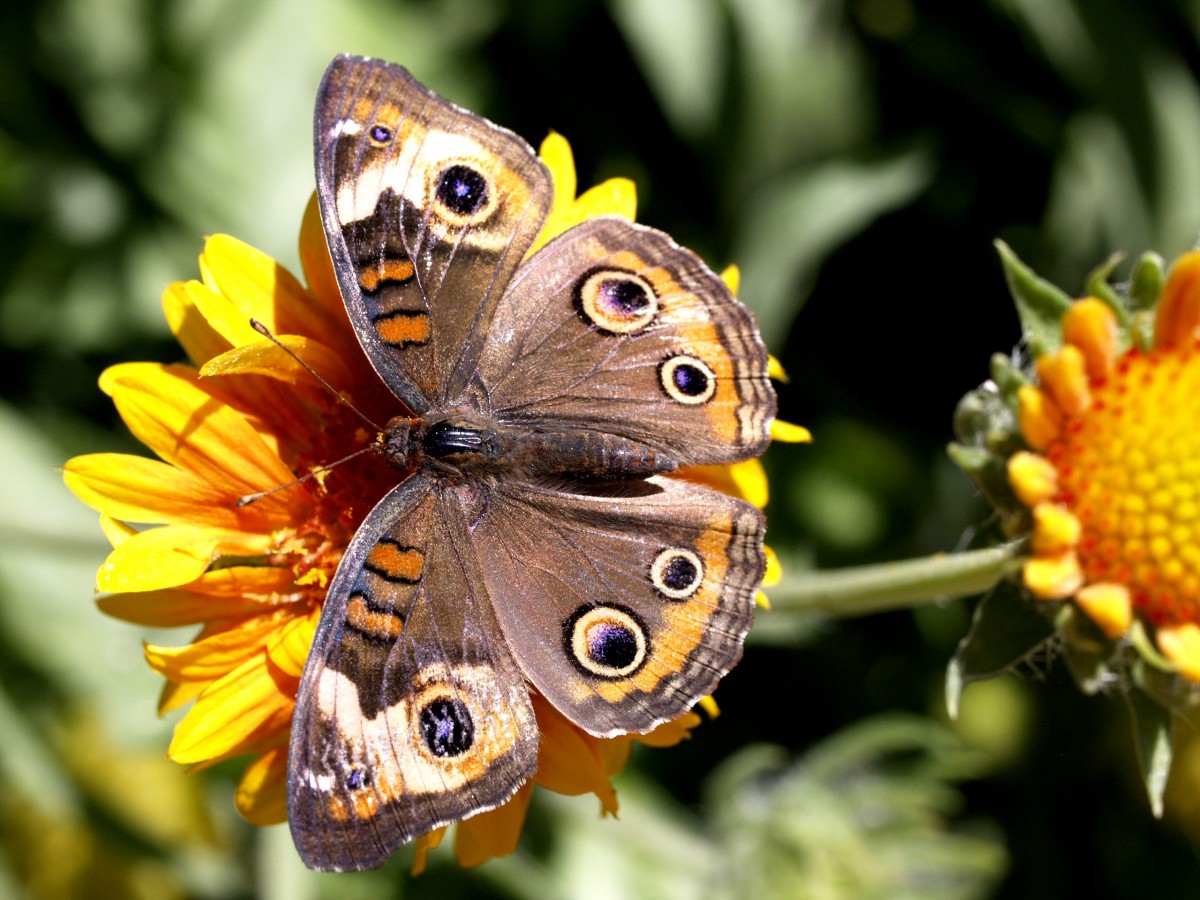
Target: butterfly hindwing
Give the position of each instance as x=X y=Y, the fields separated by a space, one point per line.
x=428 y=210
x=624 y=604
x=613 y=327
x=411 y=711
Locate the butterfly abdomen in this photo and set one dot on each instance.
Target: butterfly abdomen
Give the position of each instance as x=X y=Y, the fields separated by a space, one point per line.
x=480 y=448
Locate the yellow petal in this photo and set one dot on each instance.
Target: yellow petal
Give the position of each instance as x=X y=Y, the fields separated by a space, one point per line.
x=423 y=845
x=751 y=480
x=732 y=276
x=264 y=290
x=1108 y=605
x=556 y=153
x=1034 y=478
x=493 y=833
x=1064 y=375
x=172 y=608
x=178 y=694
x=198 y=338
x=1038 y=417
x=787 y=433
x=774 y=570
x=1091 y=326
x=317 y=266
x=251 y=705
x=1179 y=305
x=168 y=412
x=614 y=197
x=568 y=760
x=668 y=734
x=261 y=795
x=1055 y=529
x=1053 y=577
x=116 y=531
x=172 y=555
x=222 y=649
x=1181 y=645
x=137 y=489
x=229 y=320
x=775 y=370
x=266 y=358
x=289 y=646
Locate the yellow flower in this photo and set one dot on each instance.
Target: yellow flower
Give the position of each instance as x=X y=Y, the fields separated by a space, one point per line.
x=1112 y=480
x=253 y=577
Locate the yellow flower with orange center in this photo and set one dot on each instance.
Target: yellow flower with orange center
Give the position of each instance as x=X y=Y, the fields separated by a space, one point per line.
x=1113 y=480
x=243 y=418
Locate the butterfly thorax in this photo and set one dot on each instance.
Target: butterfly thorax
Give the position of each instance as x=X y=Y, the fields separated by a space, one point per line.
x=460 y=445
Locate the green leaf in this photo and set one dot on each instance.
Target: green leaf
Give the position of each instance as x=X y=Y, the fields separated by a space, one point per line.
x=1152 y=737
x=1005 y=630
x=1040 y=304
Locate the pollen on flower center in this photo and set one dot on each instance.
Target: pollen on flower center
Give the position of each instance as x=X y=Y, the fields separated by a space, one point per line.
x=1127 y=469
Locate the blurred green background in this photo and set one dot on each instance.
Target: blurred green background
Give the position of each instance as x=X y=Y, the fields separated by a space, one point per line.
x=857 y=160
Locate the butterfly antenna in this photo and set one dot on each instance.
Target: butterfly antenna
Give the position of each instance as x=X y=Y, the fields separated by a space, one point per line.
x=266 y=332
x=247 y=499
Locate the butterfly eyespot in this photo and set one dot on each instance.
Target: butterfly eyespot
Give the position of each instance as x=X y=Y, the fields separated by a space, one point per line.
x=616 y=301
x=687 y=379
x=380 y=134
x=677 y=573
x=447 y=727
x=358 y=779
x=462 y=190
x=606 y=641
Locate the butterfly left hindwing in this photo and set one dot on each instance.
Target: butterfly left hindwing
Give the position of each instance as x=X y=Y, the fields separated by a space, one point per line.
x=411 y=712
x=534 y=540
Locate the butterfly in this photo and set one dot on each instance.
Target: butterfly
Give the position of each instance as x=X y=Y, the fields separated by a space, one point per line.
x=533 y=538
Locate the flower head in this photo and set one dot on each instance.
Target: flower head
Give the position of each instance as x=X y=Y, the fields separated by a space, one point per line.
x=1091 y=455
x=241 y=419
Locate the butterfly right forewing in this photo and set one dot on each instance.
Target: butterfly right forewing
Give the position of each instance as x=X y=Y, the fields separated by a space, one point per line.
x=428 y=210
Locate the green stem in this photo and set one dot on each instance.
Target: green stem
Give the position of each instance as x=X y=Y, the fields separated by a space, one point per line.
x=894 y=585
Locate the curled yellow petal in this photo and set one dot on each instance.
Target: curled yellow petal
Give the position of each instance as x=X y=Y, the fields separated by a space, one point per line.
x=1179 y=305
x=1038 y=417
x=1053 y=577
x=493 y=833
x=261 y=795
x=172 y=555
x=1055 y=529
x=1181 y=645
x=1065 y=376
x=1091 y=326
x=787 y=433
x=1109 y=605
x=1034 y=478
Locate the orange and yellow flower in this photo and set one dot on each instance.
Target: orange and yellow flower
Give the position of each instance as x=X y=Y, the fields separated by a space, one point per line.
x=241 y=419
x=1111 y=476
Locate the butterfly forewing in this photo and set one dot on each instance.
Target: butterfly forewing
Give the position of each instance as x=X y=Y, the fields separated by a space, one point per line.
x=614 y=327
x=428 y=210
x=411 y=712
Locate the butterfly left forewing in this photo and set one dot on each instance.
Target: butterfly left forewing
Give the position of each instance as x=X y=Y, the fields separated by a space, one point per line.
x=428 y=210
x=623 y=604
x=411 y=712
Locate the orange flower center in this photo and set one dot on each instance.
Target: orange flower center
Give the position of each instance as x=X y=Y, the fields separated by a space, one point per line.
x=1129 y=469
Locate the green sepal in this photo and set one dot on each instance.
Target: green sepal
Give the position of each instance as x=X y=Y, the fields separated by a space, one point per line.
x=1009 y=379
x=1087 y=653
x=1152 y=727
x=1040 y=304
x=1005 y=630
x=1099 y=286
x=1146 y=283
